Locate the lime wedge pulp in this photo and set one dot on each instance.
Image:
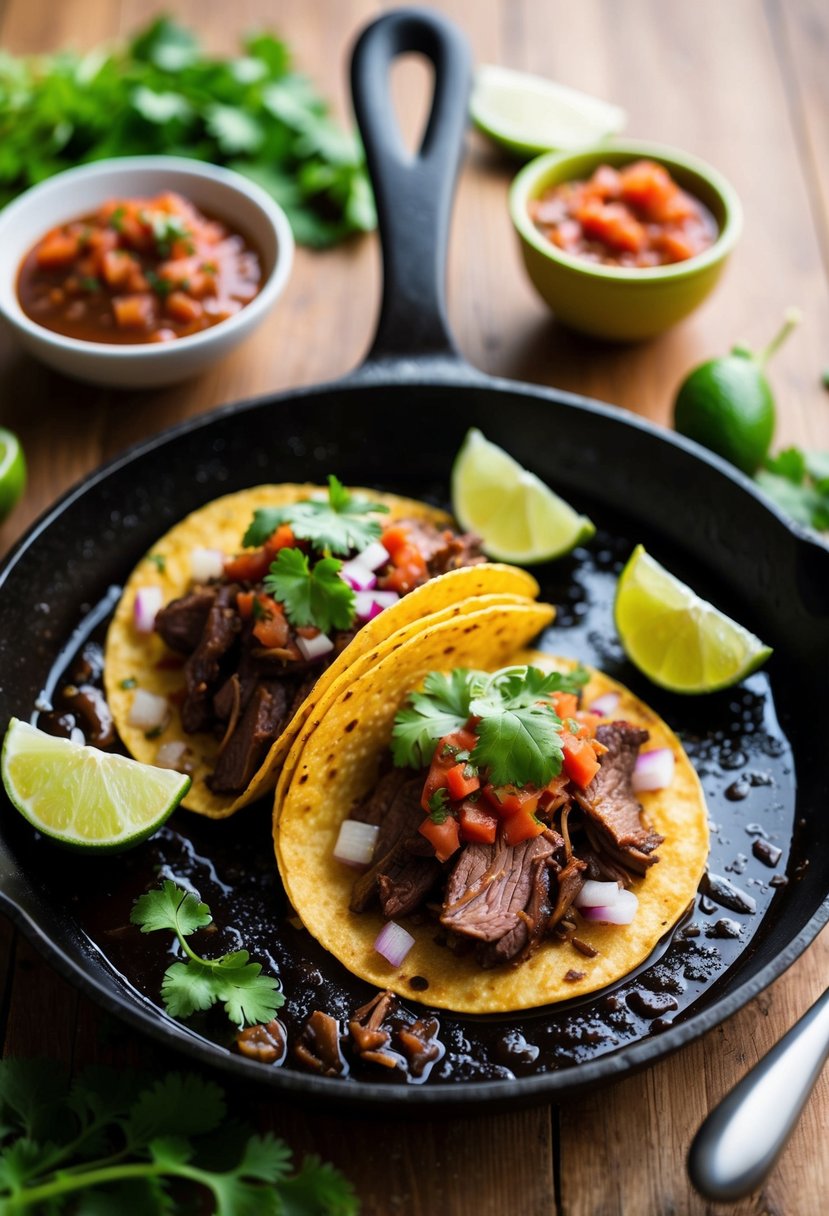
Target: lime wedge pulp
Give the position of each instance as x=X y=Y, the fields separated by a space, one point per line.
x=530 y=114
x=84 y=797
x=677 y=639
x=518 y=517
x=12 y=472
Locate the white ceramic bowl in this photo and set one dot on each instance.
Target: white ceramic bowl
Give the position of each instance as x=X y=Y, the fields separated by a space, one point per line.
x=221 y=193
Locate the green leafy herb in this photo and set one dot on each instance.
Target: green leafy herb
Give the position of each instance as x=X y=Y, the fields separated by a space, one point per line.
x=249 y=997
x=158 y=560
x=161 y=287
x=260 y=611
x=116 y=220
x=166 y=228
x=128 y=682
x=89 y=283
x=160 y=93
x=439 y=805
x=442 y=707
x=799 y=483
x=311 y=595
x=336 y=525
x=109 y=1141
x=155 y=732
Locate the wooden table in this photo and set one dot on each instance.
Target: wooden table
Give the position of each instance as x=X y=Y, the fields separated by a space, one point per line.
x=741 y=84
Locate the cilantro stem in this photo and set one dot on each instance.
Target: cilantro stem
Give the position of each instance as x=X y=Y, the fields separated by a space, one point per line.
x=96 y=1177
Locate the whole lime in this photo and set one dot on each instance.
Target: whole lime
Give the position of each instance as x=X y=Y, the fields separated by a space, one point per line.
x=727 y=406
x=12 y=472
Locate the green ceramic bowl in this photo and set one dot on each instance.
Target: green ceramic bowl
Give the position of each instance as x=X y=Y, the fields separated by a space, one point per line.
x=620 y=303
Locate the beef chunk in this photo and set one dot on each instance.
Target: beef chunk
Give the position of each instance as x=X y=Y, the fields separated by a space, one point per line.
x=203 y=670
x=611 y=807
x=498 y=894
x=570 y=881
x=181 y=623
x=261 y=723
x=400 y=877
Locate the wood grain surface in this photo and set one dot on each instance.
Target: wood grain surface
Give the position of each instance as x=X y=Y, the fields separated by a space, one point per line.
x=743 y=84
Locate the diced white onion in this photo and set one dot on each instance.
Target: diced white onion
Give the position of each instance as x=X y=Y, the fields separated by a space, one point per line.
x=620 y=912
x=355 y=843
x=368 y=604
x=373 y=556
x=597 y=894
x=358 y=576
x=394 y=943
x=316 y=647
x=147 y=602
x=148 y=710
x=206 y=564
x=170 y=754
x=654 y=770
x=605 y=705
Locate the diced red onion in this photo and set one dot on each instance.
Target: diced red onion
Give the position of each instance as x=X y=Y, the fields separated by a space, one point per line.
x=147 y=602
x=355 y=843
x=605 y=705
x=206 y=564
x=358 y=576
x=170 y=754
x=148 y=710
x=373 y=556
x=620 y=912
x=597 y=894
x=369 y=604
x=394 y=943
x=316 y=647
x=654 y=770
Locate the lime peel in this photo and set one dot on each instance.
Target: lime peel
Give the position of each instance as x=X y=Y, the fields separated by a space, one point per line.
x=83 y=797
x=12 y=472
x=675 y=638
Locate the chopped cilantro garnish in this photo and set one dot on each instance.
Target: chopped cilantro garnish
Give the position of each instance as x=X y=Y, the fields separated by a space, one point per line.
x=129 y=682
x=260 y=611
x=799 y=483
x=158 y=560
x=154 y=732
x=439 y=805
x=208 y=268
x=90 y=283
x=311 y=595
x=116 y=220
x=336 y=525
x=442 y=707
x=161 y=287
x=166 y=229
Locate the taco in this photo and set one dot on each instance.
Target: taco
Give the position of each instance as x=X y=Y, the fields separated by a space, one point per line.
x=507 y=860
x=240 y=618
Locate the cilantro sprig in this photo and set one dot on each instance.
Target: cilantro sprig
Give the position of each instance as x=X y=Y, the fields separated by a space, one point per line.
x=799 y=483
x=311 y=595
x=248 y=996
x=519 y=734
x=334 y=525
x=110 y=1141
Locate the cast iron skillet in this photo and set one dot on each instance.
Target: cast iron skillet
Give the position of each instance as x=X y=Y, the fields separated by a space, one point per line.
x=397 y=423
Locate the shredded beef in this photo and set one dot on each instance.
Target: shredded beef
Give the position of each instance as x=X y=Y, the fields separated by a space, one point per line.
x=570 y=881
x=262 y=722
x=181 y=623
x=400 y=876
x=615 y=818
x=203 y=670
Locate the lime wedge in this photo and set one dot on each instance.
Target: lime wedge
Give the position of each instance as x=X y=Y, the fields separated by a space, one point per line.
x=84 y=797
x=518 y=518
x=530 y=114
x=12 y=472
x=676 y=639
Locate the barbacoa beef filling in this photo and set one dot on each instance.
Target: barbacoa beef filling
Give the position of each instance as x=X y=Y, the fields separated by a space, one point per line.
x=500 y=900
x=244 y=689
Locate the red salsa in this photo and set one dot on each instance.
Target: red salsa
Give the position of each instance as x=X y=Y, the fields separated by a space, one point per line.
x=636 y=216
x=138 y=270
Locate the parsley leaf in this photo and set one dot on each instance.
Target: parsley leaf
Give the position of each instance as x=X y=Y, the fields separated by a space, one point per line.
x=247 y=995
x=335 y=525
x=311 y=595
x=442 y=707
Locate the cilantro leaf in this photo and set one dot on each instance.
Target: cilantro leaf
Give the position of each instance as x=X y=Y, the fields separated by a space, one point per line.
x=442 y=707
x=799 y=483
x=311 y=595
x=170 y=908
x=439 y=805
x=181 y=1104
x=333 y=525
x=520 y=745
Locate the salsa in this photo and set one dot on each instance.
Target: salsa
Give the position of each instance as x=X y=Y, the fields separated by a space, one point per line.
x=636 y=216
x=138 y=270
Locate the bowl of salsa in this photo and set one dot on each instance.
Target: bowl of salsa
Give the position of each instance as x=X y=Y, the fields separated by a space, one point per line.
x=623 y=241
x=140 y=271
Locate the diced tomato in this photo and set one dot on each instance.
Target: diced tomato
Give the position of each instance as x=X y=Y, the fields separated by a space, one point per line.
x=605 y=182
x=552 y=792
x=565 y=704
x=522 y=826
x=244 y=604
x=444 y=837
x=459 y=784
x=612 y=223
x=648 y=186
x=271 y=628
x=117 y=267
x=580 y=761
x=247 y=567
x=182 y=307
x=57 y=249
x=444 y=759
x=283 y=538
x=675 y=245
x=509 y=799
x=134 y=312
x=478 y=824
x=394 y=538
x=409 y=567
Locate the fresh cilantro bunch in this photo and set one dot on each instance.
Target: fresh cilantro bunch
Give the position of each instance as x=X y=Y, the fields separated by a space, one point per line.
x=162 y=94
x=109 y=1141
x=311 y=595
x=336 y=525
x=799 y=483
x=249 y=997
x=519 y=740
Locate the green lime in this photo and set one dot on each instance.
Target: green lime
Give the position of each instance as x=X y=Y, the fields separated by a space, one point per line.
x=727 y=405
x=12 y=472
x=84 y=797
x=529 y=114
x=677 y=639
x=518 y=517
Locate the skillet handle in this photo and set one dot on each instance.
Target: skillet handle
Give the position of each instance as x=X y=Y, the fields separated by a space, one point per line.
x=414 y=193
x=742 y=1138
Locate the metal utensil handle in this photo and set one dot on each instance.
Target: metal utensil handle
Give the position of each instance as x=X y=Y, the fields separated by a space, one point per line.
x=414 y=192
x=742 y=1138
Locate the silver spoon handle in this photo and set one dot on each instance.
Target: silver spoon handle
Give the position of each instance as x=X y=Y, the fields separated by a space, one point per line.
x=742 y=1138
